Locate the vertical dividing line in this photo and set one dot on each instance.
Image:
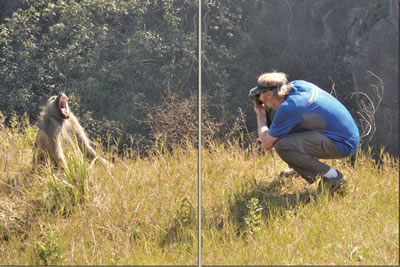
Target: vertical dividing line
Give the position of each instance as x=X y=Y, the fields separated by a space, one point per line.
x=199 y=142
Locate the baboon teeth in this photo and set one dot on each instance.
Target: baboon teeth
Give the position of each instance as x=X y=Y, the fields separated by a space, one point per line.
x=65 y=112
x=63 y=105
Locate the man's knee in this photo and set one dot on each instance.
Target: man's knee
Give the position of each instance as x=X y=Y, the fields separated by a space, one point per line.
x=281 y=145
x=282 y=148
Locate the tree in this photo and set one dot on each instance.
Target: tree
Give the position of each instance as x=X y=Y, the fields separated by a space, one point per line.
x=114 y=57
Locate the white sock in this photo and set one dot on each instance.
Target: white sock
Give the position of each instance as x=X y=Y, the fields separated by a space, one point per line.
x=332 y=173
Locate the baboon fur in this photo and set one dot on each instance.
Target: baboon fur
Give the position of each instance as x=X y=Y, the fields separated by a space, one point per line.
x=58 y=127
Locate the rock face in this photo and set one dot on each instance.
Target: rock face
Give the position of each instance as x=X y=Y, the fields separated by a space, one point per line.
x=351 y=46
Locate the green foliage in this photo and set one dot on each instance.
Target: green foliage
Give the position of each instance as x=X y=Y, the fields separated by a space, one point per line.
x=185 y=214
x=103 y=128
x=117 y=58
x=253 y=219
x=229 y=65
x=113 y=55
x=49 y=249
x=69 y=187
x=63 y=196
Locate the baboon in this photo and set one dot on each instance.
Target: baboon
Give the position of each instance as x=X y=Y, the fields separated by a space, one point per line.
x=58 y=124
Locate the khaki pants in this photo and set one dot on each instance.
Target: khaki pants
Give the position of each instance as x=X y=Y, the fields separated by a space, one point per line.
x=301 y=152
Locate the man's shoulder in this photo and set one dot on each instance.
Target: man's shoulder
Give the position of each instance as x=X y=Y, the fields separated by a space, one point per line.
x=302 y=85
x=296 y=98
x=298 y=82
x=289 y=106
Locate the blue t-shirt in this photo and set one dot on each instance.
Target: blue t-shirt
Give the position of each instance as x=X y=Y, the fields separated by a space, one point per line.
x=308 y=107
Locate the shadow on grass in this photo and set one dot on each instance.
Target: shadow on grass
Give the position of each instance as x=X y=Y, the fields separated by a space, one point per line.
x=182 y=227
x=271 y=199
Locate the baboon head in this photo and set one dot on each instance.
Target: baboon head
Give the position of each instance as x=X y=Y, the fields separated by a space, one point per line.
x=58 y=106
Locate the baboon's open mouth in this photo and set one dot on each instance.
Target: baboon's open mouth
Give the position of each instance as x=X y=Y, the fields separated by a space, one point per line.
x=62 y=104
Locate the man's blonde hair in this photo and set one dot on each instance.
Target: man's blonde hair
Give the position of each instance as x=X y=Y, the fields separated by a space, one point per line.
x=278 y=79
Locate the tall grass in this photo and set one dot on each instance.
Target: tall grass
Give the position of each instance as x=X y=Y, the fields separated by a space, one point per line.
x=297 y=225
x=139 y=211
x=142 y=210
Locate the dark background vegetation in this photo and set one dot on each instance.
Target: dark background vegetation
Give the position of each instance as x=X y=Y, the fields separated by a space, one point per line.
x=130 y=67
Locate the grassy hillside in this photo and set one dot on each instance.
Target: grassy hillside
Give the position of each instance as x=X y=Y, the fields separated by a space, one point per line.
x=143 y=211
x=140 y=211
x=288 y=222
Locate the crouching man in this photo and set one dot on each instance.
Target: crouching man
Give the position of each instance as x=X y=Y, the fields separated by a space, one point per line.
x=309 y=124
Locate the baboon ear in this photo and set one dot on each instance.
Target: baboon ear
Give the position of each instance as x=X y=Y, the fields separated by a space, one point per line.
x=51 y=98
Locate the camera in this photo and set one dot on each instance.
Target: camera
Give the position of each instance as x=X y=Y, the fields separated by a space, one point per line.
x=255 y=99
x=254 y=95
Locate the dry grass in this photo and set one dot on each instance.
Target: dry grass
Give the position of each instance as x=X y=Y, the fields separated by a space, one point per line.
x=297 y=225
x=142 y=211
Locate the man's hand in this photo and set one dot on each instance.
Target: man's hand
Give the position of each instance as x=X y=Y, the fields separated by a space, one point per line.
x=260 y=111
x=267 y=140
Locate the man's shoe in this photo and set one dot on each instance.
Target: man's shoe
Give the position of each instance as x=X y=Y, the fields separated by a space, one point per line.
x=288 y=173
x=333 y=184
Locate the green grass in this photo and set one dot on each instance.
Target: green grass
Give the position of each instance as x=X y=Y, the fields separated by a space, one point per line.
x=298 y=225
x=143 y=210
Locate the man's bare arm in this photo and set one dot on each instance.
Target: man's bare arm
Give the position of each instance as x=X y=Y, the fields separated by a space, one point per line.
x=267 y=140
